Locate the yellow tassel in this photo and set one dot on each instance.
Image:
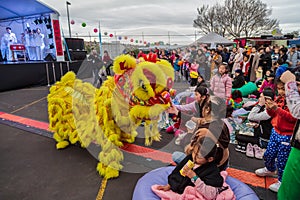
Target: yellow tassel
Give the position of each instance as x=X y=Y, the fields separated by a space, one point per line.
x=62 y=144
x=102 y=189
x=57 y=137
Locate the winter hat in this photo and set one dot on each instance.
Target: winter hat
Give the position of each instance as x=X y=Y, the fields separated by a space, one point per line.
x=238 y=71
x=268 y=92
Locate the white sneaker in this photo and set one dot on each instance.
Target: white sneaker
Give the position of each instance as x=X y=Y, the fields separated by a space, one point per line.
x=250 y=150
x=258 y=152
x=264 y=172
x=275 y=186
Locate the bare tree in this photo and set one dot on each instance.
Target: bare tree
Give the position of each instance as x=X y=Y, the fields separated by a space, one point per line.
x=236 y=18
x=207 y=20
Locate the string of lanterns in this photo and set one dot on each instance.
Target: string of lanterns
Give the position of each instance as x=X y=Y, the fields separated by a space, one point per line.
x=96 y=30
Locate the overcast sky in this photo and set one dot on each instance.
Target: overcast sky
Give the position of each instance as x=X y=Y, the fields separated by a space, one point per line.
x=140 y=17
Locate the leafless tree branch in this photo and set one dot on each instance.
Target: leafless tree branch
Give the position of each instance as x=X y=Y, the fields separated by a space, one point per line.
x=236 y=18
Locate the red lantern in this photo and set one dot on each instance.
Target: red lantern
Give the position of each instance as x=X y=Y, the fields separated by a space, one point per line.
x=111 y=35
x=145 y=42
x=72 y=22
x=131 y=40
x=95 y=30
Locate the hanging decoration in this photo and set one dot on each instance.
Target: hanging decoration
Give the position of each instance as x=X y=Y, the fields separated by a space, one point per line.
x=83 y=24
x=136 y=41
x=120 y=37
x=125 y=37
x=111 y=35
x=105 y=33
x=95 y=30
x=141 y=41
x=131 y=40
x=72 y=22
x=145 y=42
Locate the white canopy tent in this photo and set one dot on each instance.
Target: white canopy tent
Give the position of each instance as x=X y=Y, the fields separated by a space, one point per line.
x=213 y=39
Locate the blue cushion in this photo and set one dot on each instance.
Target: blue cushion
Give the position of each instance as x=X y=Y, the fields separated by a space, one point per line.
x=159 y=176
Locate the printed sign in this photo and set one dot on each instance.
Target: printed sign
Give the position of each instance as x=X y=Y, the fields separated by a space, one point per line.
x=57 y=37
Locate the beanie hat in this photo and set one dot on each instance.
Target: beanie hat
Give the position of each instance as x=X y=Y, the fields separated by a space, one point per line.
x=238 y=71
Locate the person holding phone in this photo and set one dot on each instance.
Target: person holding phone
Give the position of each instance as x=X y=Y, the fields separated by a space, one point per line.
x=260 y=120
x=279 y=147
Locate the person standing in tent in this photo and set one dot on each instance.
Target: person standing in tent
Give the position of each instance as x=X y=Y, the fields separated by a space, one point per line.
x=26 y=42
x=32 y=45
x=3 y=48
x=40 y=45
x=9 y=39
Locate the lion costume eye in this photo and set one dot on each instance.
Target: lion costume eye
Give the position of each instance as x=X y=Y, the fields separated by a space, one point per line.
x=142 y=84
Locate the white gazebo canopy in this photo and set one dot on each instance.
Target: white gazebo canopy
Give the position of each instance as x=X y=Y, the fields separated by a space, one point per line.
x=213 y=39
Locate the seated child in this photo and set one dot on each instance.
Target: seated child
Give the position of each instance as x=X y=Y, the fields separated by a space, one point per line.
x=204 y=175
x=259 y=115
x=260 y=120
x=211 y=124
x=236 y=100
x=186 y=111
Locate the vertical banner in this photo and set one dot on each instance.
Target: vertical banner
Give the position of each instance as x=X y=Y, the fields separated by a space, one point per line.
x=57 y=38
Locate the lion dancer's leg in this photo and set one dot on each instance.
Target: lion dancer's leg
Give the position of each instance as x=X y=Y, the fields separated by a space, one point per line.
x=110 y=157
x=151 y=132
x=155 y=132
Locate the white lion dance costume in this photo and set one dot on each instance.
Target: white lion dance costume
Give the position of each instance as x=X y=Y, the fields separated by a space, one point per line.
x=109 y=116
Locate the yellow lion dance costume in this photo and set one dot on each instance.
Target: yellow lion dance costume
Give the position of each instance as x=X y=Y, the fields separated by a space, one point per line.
x=109 y=116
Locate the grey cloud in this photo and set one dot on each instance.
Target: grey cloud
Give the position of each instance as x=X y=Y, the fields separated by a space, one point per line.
x=163 y=15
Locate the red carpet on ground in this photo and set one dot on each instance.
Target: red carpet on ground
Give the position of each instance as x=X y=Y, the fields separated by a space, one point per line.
x=244 y=176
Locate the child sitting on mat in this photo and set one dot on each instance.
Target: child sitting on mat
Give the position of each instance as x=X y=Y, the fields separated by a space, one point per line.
x=204 y=154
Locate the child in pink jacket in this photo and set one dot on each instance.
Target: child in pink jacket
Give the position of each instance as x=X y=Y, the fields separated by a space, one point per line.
x=221 y=83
